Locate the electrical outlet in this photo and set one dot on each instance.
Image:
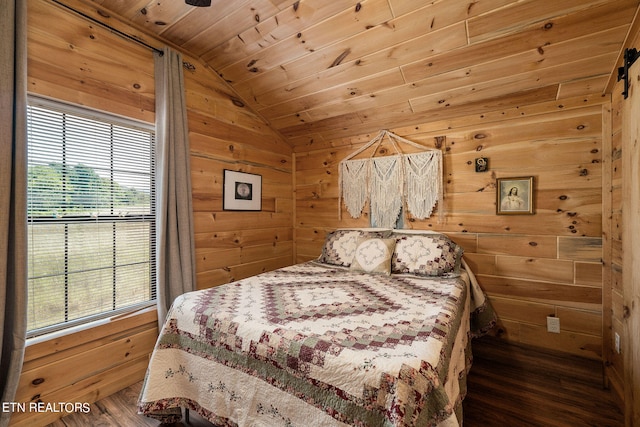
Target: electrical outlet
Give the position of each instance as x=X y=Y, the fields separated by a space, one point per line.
x=617 y=336
x=553 y=324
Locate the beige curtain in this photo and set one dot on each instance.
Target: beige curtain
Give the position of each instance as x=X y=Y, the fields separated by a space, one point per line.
x=13 y=196
x=175 y=247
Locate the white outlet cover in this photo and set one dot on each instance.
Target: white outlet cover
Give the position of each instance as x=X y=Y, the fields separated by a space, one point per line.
x=553 y=324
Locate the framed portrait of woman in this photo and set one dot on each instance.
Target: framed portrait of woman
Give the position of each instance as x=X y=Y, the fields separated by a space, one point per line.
x=514 y=196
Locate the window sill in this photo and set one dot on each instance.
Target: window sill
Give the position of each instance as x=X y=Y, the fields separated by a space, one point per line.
x=90 y=329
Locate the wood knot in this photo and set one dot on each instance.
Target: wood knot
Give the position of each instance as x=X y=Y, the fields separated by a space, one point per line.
x=37 y=381
x=533 y=244
x=584 y=172
x=188 y=66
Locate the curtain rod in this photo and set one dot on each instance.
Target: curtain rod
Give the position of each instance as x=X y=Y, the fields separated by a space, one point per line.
x=110 y=28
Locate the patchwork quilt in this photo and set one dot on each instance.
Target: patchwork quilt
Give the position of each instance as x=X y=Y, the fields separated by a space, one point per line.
x=317 y=345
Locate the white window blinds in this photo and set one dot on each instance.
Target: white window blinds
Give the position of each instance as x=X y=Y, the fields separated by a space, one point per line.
x=91 y=225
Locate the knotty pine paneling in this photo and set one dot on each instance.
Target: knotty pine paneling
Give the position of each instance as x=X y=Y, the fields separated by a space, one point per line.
x=613 y=244
x=226 y=135
x=327 y=70
x=549 y=263
x=86 y=365
x=628 y=319
x=80 y=62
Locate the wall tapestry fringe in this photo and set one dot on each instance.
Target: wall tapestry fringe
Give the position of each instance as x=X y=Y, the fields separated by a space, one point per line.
x=389 y=183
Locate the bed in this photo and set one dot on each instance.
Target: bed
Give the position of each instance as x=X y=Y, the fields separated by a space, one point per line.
x=375 y=332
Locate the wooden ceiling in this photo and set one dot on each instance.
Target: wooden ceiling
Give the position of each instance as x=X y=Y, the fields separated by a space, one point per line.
x=325 y=69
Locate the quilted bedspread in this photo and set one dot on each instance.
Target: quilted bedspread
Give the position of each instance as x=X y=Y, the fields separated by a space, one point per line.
x=316 y=345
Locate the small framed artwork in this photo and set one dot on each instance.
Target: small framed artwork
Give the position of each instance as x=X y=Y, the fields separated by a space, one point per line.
x=482 y=164
x=241 y=191
x=514 y=196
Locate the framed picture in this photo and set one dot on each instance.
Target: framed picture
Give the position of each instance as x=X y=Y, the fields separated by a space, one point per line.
x=514 y=196
x=241 y=191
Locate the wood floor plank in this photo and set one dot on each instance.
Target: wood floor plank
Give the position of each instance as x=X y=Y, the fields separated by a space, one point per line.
x=518 y=386
x=508 y=385
x=119 y=410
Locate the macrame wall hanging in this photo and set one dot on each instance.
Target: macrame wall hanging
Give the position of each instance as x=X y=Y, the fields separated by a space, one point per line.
x=389 y=183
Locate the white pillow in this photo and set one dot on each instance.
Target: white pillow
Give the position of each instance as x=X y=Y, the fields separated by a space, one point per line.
x=373 y=255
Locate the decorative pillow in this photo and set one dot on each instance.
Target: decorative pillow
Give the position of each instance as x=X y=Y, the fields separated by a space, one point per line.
x=373 y=255
x=426 y=255
x=340 y=245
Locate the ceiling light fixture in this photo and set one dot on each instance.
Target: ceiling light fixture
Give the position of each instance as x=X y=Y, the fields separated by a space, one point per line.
x=198 y=3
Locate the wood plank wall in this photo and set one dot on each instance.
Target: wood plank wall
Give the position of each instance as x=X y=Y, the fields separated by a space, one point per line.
x=77 y=61
x=630 y=314
x=621 y=282
x=549 y=263
x=224 y=135
x=612 y=244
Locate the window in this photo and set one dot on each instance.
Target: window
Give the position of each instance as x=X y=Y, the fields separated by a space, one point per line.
x=91 y=208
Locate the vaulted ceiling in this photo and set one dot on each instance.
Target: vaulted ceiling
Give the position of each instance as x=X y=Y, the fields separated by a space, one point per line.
x=330 y=68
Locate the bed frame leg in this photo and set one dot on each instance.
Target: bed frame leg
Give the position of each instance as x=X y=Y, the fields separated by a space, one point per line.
x=186 y=415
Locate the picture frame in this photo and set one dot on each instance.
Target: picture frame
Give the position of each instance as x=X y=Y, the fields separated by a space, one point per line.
x=241 y=191
x=514 y=196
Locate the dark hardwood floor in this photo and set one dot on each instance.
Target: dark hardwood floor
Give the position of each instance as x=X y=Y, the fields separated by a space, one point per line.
x=509 y=386
x=517 y=386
